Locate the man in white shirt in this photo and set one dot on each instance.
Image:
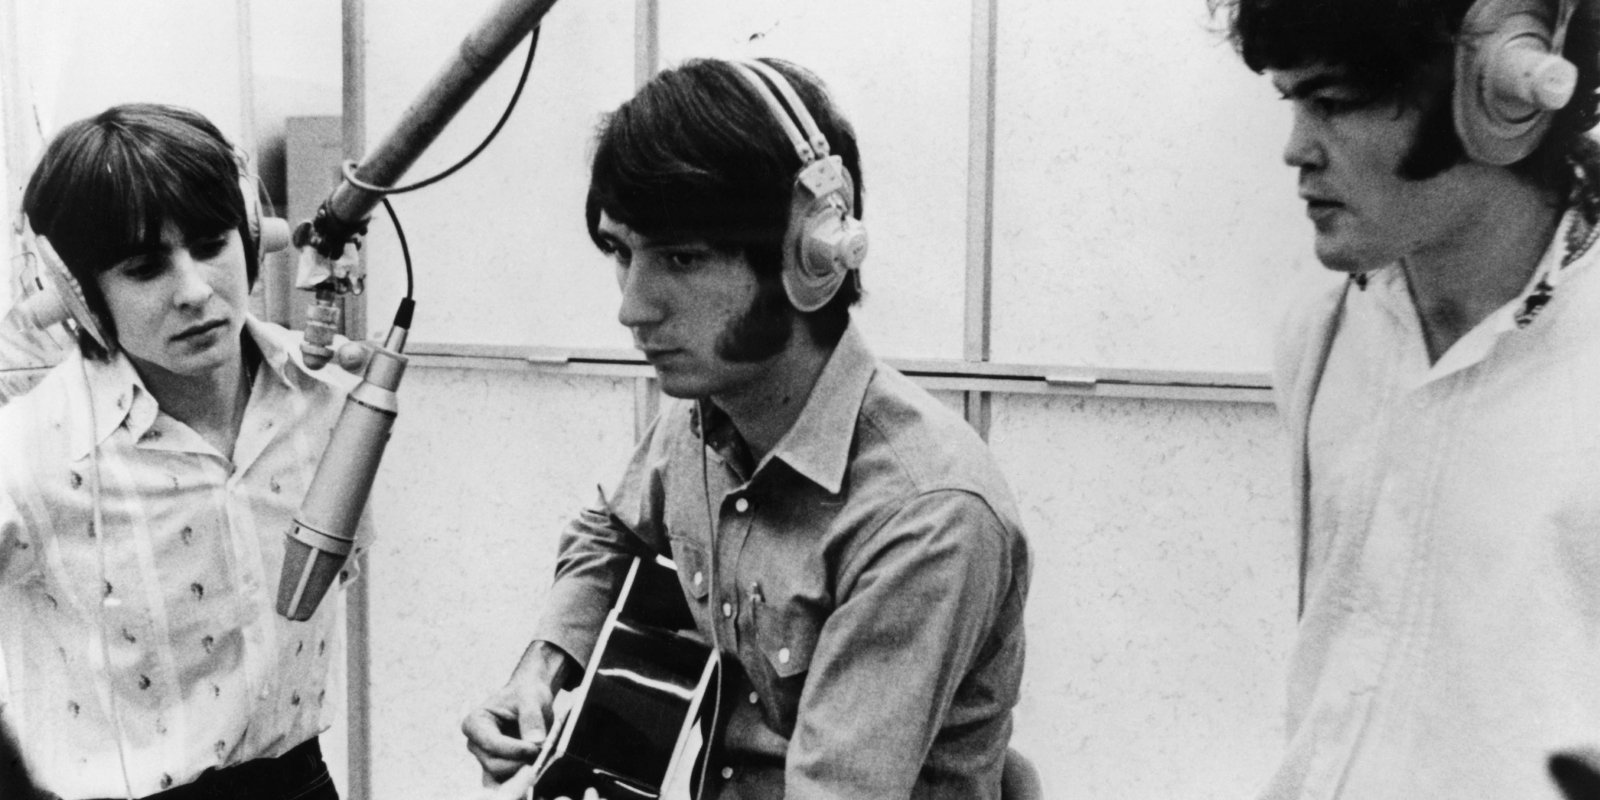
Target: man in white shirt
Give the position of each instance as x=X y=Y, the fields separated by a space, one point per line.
x=147 y=486
x=1444 y=403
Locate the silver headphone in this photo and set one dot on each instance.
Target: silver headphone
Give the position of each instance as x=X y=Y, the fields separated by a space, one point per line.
x=1511 y=77
x=824 y=242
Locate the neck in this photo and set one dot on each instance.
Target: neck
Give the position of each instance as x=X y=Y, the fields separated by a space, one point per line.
x=764 y=412
x=211 y=404
x=1485 y=263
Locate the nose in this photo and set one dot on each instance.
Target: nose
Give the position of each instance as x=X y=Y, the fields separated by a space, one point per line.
x=1304 y=148
x=193 y=286
x=641 y=303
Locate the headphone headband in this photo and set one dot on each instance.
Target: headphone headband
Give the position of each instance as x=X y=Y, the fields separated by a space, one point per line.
x=775 y=108
x=818 y=142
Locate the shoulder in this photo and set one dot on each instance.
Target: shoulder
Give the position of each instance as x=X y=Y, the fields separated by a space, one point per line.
x=1303 y=328
x=916 y=451
x=36 y=428
x=46 y=402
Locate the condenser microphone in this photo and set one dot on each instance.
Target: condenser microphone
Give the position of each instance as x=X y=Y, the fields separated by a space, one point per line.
x=324 y=529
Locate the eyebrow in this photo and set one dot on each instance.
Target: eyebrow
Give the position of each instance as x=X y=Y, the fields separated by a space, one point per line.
x=653 y=242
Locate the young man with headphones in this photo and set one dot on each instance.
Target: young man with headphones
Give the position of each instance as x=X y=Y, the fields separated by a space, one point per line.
x=843 y=538
x=1444 y=402
x=148 y=483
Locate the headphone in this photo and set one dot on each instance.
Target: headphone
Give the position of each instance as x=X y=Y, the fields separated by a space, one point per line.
x=1511 y=78
x=58 y=298
x=824 y=243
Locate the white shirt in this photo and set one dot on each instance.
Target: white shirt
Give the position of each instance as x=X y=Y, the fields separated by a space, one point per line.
x=1450 y=639
x=202 y=671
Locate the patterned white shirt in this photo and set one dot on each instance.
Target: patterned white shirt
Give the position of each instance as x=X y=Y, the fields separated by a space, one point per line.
x=155 y=648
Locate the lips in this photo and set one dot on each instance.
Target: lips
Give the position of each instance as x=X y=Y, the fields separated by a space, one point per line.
x=1320 y=207
x=200 y=329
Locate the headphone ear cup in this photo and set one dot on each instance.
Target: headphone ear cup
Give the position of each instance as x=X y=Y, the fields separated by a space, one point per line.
x=267 y=234
x=824 y=241
x=1510 y=78
x=833 y=243
x=61 y=298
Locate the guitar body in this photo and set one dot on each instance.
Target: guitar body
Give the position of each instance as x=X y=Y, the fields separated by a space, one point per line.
x=637 y=726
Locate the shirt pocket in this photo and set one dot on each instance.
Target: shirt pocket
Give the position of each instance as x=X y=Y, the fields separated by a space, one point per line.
x=786 y=638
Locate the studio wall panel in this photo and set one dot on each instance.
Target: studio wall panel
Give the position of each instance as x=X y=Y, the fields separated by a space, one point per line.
x=1162 y=603
x=1143 y=216
x=502 y=256
x=484 y=468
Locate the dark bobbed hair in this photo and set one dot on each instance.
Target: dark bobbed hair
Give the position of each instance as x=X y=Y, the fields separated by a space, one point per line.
x=1404 y=50
x=696 y=153
x=106 y=184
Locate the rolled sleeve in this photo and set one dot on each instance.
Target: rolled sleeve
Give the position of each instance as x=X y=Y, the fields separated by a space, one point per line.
x=594 y=555
x=596 y=548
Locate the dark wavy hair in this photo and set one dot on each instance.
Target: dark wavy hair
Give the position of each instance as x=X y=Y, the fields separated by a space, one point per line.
x=106 y=185
x=1404 y=50
x=697 y=154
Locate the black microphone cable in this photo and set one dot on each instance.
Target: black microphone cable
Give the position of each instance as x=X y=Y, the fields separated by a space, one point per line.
x=349 y=167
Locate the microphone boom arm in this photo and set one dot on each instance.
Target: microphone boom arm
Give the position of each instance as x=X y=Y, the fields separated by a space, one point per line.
x=343 y=215
x=479 y=55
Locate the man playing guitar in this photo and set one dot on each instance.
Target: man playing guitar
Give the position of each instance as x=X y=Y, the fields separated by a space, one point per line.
x=842 y=539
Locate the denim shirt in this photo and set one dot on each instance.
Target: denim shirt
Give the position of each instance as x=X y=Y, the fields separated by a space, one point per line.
x=868 y=575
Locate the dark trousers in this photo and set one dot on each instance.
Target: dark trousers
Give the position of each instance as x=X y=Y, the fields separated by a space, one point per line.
x=299 y=774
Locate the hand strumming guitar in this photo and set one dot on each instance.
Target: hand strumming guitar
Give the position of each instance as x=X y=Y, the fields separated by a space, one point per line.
x=508 y=730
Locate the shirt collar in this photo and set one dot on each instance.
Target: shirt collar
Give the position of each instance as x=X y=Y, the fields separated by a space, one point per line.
x=114 y=395
x=818 y=445
x=119 y=398
x=276 y=353
x=1392 y=292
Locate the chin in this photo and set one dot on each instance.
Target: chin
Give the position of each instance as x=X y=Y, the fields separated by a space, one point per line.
x=1344 y=259
x=681 y=388
x=207 y=361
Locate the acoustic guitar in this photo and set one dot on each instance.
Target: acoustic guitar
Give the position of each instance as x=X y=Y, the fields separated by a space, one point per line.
x=639 y=725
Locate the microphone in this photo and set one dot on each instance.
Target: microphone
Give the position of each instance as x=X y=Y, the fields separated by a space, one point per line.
x=325 y=526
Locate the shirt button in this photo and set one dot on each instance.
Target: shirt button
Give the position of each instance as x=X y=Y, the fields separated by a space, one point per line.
x=727 y=772
x=754 y=698
x=783 y=655
x=727 y=609
x=741 y=505
x=699 y=578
